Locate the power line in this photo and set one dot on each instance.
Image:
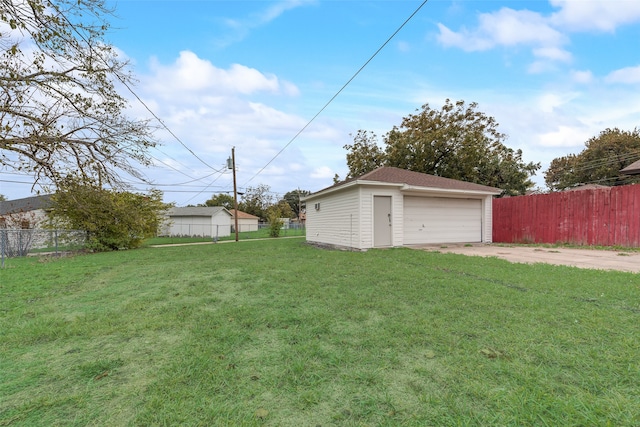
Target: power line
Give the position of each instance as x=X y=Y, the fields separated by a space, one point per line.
x=205 y=189
x=163 y=124
x=593 y=164
x=126 y=85
x=339 y=91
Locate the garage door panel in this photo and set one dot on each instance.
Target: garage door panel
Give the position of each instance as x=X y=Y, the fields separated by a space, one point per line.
x=442 y=220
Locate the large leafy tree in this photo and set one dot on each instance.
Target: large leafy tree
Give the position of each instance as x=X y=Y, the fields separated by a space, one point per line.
x=113 y=219
x=292 y=198
x=599 y=163
x=457 y=141
x=364 y=154
x=222 y=199
x=256 y=200
x=60 y=112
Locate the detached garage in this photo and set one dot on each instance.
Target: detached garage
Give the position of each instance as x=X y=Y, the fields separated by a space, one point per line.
x=394 y=207
x=198 y=222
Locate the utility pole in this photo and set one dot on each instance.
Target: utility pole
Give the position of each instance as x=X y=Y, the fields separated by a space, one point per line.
x=232 y=165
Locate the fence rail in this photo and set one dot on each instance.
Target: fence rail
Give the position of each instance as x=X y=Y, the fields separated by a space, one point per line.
x=604 y=217
x=23 y=242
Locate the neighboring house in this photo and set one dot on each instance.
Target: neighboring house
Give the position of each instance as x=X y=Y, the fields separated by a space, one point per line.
x=29 y=212
x=395 y=207
x=246 y=221
x=632 y=169
x=198 y=221
x=583 y=187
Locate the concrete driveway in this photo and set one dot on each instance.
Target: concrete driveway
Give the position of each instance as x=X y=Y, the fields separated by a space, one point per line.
x=582 y=258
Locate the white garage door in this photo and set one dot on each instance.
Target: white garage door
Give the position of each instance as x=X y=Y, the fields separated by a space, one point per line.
x=442 y=220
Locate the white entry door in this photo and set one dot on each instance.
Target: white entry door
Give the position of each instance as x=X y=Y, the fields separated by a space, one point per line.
x=382 y=221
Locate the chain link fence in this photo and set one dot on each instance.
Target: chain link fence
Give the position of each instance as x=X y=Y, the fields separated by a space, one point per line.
x=33 y=241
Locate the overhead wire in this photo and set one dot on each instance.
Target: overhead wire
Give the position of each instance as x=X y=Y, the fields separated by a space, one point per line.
x=596 y=163
x=592 y=164
x=139 y=99
x=339 y=91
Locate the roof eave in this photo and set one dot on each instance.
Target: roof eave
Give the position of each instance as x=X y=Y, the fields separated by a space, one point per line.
x=634 y=171
x=330 y=190
x=404 y=188
x=436 y=190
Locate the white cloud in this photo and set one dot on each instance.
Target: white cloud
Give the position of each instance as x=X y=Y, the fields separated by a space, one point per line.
x=404 y=46
x=506 y=27
x=628 y=75
x=552 y=52
x=278 y=8
x=564 y=136
x=193 y=74
x=323 y=172
x=212 y=109
x=545 y=34
x=582 y=76
x=241 y=28
x=601 y=15
x=539 y=67
x=549 y=102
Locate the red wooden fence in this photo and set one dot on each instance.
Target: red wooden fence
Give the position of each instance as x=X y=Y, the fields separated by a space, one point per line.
x=606 y=217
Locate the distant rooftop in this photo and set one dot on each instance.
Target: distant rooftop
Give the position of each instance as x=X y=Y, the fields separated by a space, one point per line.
x=243 y=215
x=632 y=169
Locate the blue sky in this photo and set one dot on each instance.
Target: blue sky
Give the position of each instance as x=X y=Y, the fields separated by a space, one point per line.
x=251 y=74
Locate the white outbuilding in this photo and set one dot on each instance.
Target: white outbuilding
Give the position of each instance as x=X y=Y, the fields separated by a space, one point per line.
x=395 y=207
x=198 y=221
x=246 y=221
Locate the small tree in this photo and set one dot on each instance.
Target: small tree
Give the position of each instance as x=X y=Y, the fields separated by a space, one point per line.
x=275 y=213
x=113 y=219
x=275 y=224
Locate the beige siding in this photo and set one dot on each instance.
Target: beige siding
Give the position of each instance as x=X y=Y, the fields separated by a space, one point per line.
x=205 y=226
x=336 y=222
x=366 y=225
x=246 y=224
x=346 y=218
x=487 y=219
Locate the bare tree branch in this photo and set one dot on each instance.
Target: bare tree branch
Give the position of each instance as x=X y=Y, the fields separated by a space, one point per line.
x=60 y=113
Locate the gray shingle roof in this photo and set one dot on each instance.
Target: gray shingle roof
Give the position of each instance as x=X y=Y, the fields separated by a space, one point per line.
x=415 y=179
x=26 y=204
x=632 y=169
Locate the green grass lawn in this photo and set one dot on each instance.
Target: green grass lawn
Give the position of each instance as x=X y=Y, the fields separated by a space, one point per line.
x=262 y=233
x=279 y=333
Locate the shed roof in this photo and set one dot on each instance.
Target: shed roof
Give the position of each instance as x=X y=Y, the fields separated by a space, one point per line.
x=391 y=175
x=26 y=204
x=243 y=215
x=197 y=211
x=632 y=169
